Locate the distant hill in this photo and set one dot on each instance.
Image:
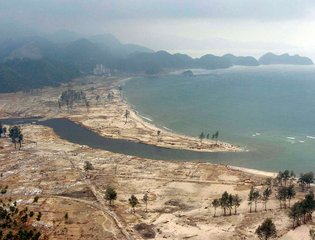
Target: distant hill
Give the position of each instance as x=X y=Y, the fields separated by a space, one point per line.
x=241 y=61
x=111 y=44
x=210 y=61
x=26 y=74
x=153 y=63
x=270 y=58
x=29 y=59
x=84 y=55
x=63 y=36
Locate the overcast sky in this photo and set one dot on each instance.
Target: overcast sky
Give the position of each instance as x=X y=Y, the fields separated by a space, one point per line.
x=196 y=27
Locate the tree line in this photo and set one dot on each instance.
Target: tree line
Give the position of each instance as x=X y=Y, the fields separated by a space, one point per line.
x=70 y=96
x=111 y=196
x=214 y=136
x=285 y=190
x=227 y=202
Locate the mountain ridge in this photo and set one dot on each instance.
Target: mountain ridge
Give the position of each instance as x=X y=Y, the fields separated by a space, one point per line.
x=71 y=54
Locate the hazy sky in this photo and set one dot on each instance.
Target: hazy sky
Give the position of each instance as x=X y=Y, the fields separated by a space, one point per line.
x=196 y=27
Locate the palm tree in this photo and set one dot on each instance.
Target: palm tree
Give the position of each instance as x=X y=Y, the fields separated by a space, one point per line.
x=215 y=203
x=133 y=201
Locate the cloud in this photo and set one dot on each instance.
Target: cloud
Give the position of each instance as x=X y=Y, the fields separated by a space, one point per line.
x=264 y=10
x=177 y=24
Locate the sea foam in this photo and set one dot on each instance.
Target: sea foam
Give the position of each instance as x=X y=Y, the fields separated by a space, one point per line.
x=146 y=118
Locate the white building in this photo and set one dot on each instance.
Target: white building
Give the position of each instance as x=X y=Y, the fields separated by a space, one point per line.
x=101 y=70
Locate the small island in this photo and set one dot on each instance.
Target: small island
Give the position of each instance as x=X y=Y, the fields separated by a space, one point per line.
x=188 y=73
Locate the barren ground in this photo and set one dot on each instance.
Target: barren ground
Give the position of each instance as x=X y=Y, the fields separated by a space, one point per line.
x=180 y=193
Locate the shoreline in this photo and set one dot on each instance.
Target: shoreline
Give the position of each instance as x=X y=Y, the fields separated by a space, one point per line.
x=121 y=103
x=253 y=171
x=220 y=147
x=179 y=192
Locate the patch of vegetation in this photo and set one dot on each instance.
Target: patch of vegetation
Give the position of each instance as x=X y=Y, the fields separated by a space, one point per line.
x=133 y=202
x=110 y=195
x=15 y=133
x=302 y=211
x=16 y=223
x=227 y=202
x=88 y=166
x=70 y=96
x=266 y=230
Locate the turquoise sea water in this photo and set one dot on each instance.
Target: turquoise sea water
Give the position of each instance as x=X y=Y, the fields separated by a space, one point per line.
x=268 y=110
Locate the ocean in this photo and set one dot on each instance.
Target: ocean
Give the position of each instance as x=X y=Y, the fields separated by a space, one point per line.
x=267 y=110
